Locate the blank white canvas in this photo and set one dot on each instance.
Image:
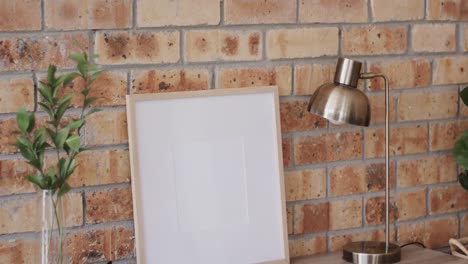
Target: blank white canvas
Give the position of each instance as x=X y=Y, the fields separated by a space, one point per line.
x=209 y=180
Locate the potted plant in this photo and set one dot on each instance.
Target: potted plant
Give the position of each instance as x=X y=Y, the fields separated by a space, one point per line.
x=57 y=139
x=460 y=149
x=460 y=152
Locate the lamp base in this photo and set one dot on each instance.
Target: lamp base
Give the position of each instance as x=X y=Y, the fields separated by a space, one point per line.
x=364 y=252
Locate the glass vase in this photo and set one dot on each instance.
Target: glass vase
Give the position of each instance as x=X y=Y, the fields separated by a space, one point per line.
x=52 y=237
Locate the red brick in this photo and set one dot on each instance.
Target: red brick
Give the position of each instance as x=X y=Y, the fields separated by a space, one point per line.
x=465 y=38
x=259 y=11
x=402 y=141
x=411 y=205
x=252 y=77
x=16 y=92
x=20 y=15
x=20 y=251
x=302 y=42
x=21 y=215
x=87 y=14
x=433 y=37
x=140 y=47
x=331 y=147
x=305 y=184
x=304 y=246
x=427 y=170
x=428 y=105
x=109 y=205
x=448 y=199
x=110 y=88
x=295 y=117
x=360 y=178
x=447 y=10
x=345 y=214
x=433 y=233
x=36 y=53
x=287 y=155
x=96 y=167
x=444 y=134
x=107 y=244
x=289 y=218
x=158 y=81
x=401 y=74
x=464 y=226
x=450 y=70
x=375 y=210
x=377 y=105
x=13 y=177
x=106 y=127
x=374 y=40
x=397 y=10
x=309 y=77
x=333 y=11
x=311 y=218
x=7 y=138
x=227 y=45
x=159 y=13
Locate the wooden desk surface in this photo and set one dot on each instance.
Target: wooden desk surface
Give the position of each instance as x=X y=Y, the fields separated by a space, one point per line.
x=409 y=255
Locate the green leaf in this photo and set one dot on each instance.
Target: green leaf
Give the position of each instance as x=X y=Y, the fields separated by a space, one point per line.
x=71 y=168
x=69 y=78
x=51 y=133
x=83 y=68
x=85 y=92
x=88 y=101
x=96 y=75
x=460 y=150
x=74 y=143
x=64 y=189
x=51 y=74
x=63 y=105
x=46 y=109
x=92 y=111
x=75 y=124
x=78 y=57
x=27 y=153
x=37 y=180
x=22 y=120
x=91 y=67
x=31 y=122
x=60 y=166
x=464 y=95
x=39 y=137
x=61 y=137
x=463 y=179
x=47 y=95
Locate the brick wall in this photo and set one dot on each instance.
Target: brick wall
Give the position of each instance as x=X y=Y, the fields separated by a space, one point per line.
x=334 y=174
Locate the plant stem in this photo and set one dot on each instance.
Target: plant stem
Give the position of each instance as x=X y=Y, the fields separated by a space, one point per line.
x=59 y=227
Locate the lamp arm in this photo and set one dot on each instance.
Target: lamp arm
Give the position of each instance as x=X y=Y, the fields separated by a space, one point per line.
x=387 y=135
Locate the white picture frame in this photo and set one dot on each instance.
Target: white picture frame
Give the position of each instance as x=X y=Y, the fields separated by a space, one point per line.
x=207 y=177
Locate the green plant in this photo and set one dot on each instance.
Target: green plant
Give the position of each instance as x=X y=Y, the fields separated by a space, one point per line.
x=460 y=149
x=58 y=134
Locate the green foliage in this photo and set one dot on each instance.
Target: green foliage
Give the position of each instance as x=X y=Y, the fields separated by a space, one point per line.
x=460 y=149
x=57 y=134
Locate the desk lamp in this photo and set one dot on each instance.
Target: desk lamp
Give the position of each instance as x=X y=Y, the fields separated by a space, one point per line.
x=342 y=103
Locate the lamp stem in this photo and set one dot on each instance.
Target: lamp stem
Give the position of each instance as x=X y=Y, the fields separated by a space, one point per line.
x=387 y=152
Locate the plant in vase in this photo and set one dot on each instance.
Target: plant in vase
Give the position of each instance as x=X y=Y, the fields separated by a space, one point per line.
x=458 y=247
x=57 y=139
x=460 y=149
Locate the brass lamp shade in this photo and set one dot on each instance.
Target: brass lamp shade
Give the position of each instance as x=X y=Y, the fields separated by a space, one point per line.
x=341 y=102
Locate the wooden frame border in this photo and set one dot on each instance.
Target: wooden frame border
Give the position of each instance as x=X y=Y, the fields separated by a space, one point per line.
x=131 y=100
